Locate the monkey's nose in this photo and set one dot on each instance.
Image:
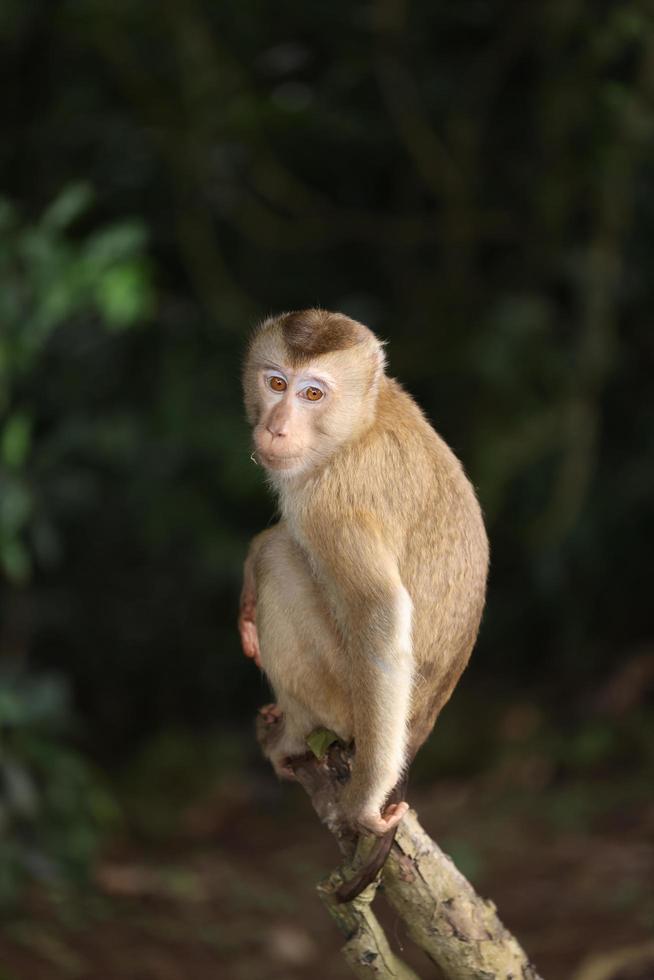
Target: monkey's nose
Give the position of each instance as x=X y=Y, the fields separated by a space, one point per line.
x=276 y=429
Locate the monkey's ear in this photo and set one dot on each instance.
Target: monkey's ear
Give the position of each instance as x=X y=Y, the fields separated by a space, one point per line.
x=381 y=356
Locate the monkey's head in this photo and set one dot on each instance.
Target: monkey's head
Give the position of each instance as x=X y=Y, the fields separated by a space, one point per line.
x=311 y=380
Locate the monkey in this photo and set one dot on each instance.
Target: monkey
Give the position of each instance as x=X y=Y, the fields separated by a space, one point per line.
x=363 y=603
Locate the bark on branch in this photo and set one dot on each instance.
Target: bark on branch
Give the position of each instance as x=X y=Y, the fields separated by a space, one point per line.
x=458 y=930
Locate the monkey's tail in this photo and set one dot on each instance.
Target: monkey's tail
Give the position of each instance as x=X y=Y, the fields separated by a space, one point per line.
x=365 y=875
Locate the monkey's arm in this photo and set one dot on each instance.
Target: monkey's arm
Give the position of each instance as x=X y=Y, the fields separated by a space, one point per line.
x=374 y=612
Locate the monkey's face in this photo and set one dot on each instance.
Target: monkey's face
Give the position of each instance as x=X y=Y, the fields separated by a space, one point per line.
x=304 y=414
x=296 y=407
x=305 y=403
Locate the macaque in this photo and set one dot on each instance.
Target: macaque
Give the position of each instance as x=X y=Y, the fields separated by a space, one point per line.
x=362 y=605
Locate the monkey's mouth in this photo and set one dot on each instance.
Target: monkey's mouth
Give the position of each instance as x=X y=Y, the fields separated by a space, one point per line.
x=278 y=462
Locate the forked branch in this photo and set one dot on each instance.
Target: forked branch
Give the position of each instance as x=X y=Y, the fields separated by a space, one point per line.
x=459 y=931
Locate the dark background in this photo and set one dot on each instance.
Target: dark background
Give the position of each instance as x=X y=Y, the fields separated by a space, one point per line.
x=473 y=180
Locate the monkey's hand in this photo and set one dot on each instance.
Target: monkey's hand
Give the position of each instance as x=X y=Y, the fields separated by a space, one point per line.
x=283 y=768
x=271 y=715
x=247 y=622
x=247 y=614
x=381 y=823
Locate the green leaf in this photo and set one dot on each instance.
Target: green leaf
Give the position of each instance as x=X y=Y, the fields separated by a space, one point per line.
x=114 y=244
x=15 y=506
x=320 y=740
x=73 y=201
x=123 y=294
x=15 y=440
x=12 y=708
x=15 y=561
x=19 y=789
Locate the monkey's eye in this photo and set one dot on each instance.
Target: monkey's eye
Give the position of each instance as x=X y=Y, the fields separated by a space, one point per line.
x=312 y=394
x=277 y=383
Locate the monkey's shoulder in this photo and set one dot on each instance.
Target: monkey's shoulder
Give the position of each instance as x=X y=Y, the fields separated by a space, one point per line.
x=400 y=467
x=408 y=439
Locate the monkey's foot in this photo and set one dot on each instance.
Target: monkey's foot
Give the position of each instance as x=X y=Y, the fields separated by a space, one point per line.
x=284 y=769
x=381 y=823
x=271 y=714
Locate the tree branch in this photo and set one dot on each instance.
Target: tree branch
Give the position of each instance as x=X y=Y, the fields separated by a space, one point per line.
x=458 y=930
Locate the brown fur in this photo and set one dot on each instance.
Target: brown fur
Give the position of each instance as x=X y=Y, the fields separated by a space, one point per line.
x=377 y=517
x=310 y=333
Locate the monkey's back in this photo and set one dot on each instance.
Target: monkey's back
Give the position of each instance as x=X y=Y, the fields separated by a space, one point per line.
x=443 y=558
x=402 y=476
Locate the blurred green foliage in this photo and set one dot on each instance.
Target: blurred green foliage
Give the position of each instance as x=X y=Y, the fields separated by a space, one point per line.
x=48 y=282
x=54 y=808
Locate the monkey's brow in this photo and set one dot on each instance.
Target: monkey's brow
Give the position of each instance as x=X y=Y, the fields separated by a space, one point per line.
x=325 y=380
x=270 y=366
x=320 y=378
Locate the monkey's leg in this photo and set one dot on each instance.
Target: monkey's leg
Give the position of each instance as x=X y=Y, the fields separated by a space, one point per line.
x=298 y=647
